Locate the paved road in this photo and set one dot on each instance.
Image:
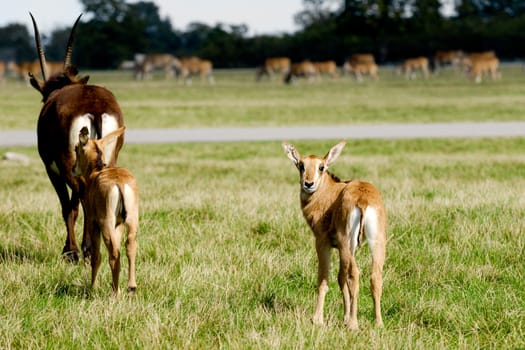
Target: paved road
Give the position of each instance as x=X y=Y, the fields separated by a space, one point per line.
x=371 y=131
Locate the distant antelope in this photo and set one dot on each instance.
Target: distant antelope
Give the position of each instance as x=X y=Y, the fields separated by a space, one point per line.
x=411 y=65
x=341 y=215
x=69 y=105
x=304 y=69
x=145 y=64
x=111 y=202
x=326 y=67
x=189 y=66
x=273 y=65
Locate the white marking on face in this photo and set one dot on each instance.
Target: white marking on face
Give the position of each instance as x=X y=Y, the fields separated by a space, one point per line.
x=311 y=175
x=109 y=124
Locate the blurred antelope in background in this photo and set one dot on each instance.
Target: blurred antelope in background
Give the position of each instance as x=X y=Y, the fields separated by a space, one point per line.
x=111 y=203
x=411 y=66
x=70 y=105
x=190 y=66
x=146 y=64
x=360 y=64
x=272 y=66
x=341 y=215
x=326 y=68
x=304 y=69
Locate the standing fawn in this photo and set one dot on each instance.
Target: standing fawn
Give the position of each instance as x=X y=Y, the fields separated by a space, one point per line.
x=111 y=201
x=341 y=215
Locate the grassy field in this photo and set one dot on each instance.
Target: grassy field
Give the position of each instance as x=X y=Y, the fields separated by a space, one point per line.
x=237 y=100
x=225 y=259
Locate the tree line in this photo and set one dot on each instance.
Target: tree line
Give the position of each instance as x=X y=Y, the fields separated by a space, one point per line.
x=112 y=31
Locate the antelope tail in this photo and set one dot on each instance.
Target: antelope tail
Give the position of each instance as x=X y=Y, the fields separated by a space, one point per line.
x=361 y=236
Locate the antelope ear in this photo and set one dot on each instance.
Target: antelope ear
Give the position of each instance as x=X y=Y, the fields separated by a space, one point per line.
x=334 y=152
x=35 y=82
x=83 y=136
x=291 y=152
x=84 y=79
x=111 y=138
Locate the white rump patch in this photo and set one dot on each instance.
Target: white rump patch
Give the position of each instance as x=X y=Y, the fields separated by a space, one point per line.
x=371 y=225
x=77 y=124
x=109 y=124
x=354 y=224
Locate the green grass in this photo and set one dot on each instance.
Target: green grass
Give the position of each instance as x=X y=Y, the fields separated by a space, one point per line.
x=225 y=259
x=237 y=100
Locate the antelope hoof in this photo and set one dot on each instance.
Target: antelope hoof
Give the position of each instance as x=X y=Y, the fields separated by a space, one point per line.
x=70 y=256
x=86 y=252
x=318 y=320
x=351 y=325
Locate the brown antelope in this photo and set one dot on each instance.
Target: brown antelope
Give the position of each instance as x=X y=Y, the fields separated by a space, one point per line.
x=273 y=65
x=146 y=64
x=483 y=65
x=326 y=67
x=341 y=215
x=358 y=69
x=111 y=203
x=189 y=66
x=447 y=57
x=411 y=65
x=69 y=105
x=304 y=69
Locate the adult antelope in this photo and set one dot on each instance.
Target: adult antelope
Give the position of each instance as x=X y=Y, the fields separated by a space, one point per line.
x=341 y=215
x=111 y=203
x=326 y=67
x=69 y=105
x=304 y=69
x=190 y=66
x=447 y=57
x=411 y=66
x=145 y=64
x=273 y=65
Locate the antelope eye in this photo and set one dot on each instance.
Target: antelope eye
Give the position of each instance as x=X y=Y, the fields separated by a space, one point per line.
x=301 y=166
x=321 y=168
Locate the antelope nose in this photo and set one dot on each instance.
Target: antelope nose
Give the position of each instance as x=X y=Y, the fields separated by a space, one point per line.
x=308 y=184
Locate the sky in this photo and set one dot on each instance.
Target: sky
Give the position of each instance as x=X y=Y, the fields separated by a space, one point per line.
x=261 y=16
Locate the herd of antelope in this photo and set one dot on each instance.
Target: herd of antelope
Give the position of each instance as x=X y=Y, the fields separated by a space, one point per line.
x=474 y=65
x=80 y=133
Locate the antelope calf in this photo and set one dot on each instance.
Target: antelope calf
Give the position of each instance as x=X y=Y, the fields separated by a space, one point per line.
x=111 y=202
x=341 y=215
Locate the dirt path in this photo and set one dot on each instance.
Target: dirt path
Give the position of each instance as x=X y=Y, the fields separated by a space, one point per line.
x=348 y=132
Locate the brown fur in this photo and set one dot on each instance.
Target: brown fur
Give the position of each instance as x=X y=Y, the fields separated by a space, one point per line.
x=304 y=69
x=328 y=206
x=146 y=64
x=411 y=65
x=272 y=66
x=326 y=68
x=189 y=66
x=104 y=218
x=67 y=96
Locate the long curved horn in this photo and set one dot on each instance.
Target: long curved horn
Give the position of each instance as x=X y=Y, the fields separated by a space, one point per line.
x=40 y=50
x=69 y=49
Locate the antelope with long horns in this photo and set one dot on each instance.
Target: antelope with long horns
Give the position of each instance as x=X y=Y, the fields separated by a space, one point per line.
x=341 y=215
x=69 y=105
x=111 y=203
